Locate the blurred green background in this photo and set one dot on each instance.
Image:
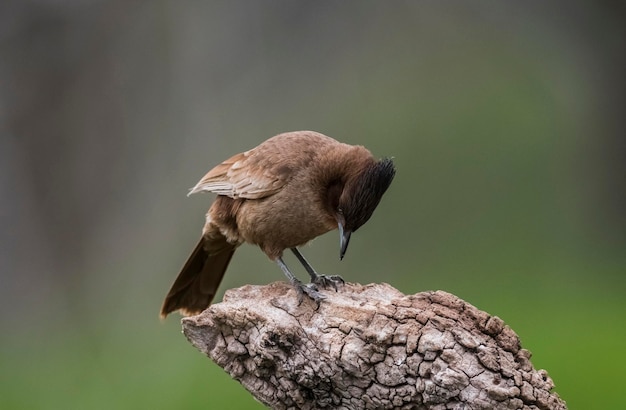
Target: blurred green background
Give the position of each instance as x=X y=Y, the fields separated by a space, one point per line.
x=505 y=120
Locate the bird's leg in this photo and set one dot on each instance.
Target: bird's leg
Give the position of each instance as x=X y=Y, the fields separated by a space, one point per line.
x=310 y=290
x=324 y=281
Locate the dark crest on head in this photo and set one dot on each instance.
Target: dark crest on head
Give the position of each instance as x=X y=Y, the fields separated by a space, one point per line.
x=363 y=194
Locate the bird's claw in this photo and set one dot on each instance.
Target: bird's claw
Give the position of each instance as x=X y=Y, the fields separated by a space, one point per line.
x=310 y=290
x=327 y=281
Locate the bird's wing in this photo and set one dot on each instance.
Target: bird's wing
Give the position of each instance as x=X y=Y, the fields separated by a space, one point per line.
x=264 y=170
x=247 y=175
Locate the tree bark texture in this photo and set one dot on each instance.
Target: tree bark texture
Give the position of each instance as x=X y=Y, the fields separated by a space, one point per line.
x=369 y=347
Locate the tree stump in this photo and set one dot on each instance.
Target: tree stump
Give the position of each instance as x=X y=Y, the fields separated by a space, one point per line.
x=368 y=347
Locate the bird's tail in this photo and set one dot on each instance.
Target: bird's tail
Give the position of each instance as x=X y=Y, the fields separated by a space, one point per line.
x=196 y=284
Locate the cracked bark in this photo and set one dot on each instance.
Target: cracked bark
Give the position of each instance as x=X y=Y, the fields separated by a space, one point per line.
x=369 y=347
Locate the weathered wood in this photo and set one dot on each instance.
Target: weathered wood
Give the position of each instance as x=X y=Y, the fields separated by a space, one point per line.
x=369 y=347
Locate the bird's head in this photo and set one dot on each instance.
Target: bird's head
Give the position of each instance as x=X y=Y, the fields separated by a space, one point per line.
x=359 y=196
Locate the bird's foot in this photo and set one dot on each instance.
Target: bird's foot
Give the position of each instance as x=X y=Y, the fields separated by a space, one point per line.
x=310 y=290
x=327 y=281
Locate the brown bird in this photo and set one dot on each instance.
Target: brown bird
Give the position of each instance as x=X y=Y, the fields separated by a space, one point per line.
x=280 y=195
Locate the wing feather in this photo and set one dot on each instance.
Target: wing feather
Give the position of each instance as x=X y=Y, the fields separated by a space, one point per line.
x=264 y=170
x=242 y=176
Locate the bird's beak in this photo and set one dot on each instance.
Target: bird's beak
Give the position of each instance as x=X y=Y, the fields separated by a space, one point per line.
x=344 y=239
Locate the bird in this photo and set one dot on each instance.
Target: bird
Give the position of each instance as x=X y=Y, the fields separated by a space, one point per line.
x=280 y=195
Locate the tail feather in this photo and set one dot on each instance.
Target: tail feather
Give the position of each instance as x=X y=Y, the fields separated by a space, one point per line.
x=196 y=284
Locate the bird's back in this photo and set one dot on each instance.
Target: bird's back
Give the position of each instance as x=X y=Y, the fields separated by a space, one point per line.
x=265 y=169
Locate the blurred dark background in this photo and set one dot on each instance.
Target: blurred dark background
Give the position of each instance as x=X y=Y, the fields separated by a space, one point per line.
x=506 y=121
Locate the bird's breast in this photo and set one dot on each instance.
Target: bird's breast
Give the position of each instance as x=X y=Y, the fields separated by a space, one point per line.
x=284 y=220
